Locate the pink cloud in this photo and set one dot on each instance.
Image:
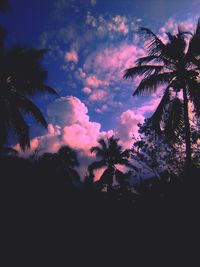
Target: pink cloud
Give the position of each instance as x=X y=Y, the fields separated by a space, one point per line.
x=71 y=56
x=98 y=95
x=119 y=24
x=115 y=24
x=93 y=81
x=101 y=109
x=81 y=136
x=109 y=64
x=76 y=129
x=70 y=125
x=87 y=90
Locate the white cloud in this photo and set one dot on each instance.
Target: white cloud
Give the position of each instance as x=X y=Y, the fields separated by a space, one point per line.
x=128 y=127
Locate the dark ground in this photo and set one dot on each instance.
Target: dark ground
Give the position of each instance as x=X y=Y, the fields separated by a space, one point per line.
x=47 y=223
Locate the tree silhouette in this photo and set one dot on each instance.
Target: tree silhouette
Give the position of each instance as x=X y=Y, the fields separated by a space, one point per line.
x=4 y=5
x=22 y=75
x=176 y=65
x=61 y=165
x=111 y=154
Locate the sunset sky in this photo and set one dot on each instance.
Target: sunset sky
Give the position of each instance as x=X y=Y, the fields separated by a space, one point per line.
x=91 y=43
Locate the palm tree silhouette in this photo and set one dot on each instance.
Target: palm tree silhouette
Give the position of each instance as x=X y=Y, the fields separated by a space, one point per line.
x=111 y=154
x=22 y=75
x=175 y=64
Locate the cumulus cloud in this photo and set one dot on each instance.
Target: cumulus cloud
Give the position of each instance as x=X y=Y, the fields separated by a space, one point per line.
x=75 y=127
x=71 y=56
x=128 y=127
x=67 y=111
x=69 y=125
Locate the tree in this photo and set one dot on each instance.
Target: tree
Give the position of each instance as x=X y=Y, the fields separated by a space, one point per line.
x=110 y=154
x=61 y=165
x=22 y=75
x=4 y=5
x=156 y=154
x=174 y=64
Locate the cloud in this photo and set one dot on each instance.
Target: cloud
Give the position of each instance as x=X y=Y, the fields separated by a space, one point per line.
x=67 y=111
x=119 y=24
x=111 y=26
x=93 y=2
x=71 y=56
x=109 y=64
x=101 y=109
x=93 y=81
x=87 y=90
x=128 y=127
x=69 y=125
x=98 y=95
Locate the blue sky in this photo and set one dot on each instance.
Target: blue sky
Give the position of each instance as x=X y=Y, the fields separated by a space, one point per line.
x=91 y=43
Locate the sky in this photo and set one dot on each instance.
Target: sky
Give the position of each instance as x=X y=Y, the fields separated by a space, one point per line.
x=91 y=43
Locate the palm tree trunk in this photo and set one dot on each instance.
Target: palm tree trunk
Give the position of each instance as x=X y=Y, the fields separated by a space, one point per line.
x=187 y=129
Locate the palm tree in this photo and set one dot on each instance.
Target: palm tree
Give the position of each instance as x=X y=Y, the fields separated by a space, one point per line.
x=21 y=76
x=111 y=154
x=176 y=65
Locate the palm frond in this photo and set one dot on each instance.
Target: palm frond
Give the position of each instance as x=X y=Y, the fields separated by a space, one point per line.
x=194 y=94
x=126 y=153
x=29 y=108
x=194 y=49
x=20 y=128
x=98 y=151
x=2 y=38
x=103 y=144
x=127 y=164
x=145 y=70
x=96 y=165
x=49 y=90
x=175 y=48
x=151 y=83
x=154 y=45
x=175 y=121
x=156 y=118
x=148 y=59
x=107 y=176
